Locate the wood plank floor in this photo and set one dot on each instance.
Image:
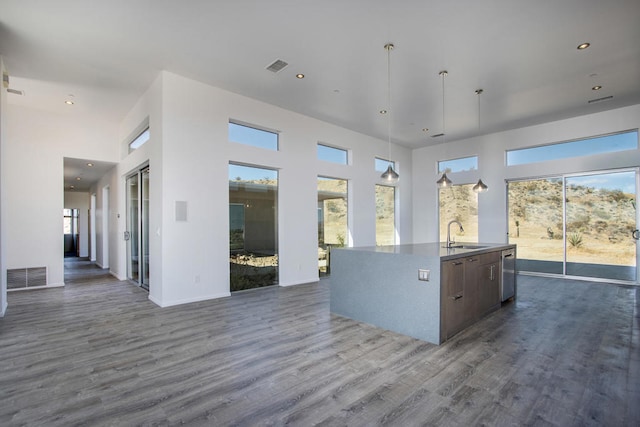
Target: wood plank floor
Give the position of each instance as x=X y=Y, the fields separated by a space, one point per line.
x=97 y=352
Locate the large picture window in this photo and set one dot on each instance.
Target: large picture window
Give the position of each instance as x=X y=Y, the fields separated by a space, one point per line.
x=385 y=215
x=253 y=227
x=332 y=219
x=459 y=203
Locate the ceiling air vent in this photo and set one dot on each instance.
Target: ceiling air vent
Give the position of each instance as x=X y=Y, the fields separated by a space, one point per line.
x=437 y=135
x=15 y=91
x=277 y=65
x=606 y=98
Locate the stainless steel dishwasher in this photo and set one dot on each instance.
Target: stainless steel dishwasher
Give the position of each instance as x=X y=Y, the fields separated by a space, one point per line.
x=508 y=279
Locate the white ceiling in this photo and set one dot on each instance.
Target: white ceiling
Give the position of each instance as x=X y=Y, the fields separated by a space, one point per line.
x=81 y=174
x=521 y=52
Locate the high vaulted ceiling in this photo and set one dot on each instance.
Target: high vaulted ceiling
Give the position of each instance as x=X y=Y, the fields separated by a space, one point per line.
x=522 y=53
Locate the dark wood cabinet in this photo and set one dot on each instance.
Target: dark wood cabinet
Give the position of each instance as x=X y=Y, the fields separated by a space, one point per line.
x=452 y=309
x=488 y=282
x=469 y=289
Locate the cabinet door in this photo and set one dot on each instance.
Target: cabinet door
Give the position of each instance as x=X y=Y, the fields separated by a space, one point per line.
x=452 y=298
x=488 y=287
x=471 y=274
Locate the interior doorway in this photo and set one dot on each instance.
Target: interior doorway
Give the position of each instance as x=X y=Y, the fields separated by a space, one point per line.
x=137 y=232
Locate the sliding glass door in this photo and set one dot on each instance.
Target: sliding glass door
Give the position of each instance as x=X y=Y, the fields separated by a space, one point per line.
x=576 y=225
x=535 y=224
x=600 y=220
x=137 y=233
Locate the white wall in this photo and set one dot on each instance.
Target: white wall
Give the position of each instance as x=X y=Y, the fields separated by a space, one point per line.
x=3 y=205
x=80 y=201
x=188 y=155
x=35 y=144
x=491 y=148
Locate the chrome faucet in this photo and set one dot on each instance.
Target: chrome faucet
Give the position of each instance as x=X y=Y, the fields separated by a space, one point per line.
x=450 y=242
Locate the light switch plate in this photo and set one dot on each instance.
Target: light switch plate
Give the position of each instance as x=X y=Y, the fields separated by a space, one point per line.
x=423 y=275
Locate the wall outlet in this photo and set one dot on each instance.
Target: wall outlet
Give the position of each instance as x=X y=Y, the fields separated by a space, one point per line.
x=423 y=275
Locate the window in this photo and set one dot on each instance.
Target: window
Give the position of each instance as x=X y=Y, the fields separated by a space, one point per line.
x=460 y=203
x=458 y=165
x=385 y=215
x=252 y=136
x=253 y=227
x=332 y=219
x=583 y=147
x=332 y=154
x=381 y=165
x=139 y=140
x=70 y=221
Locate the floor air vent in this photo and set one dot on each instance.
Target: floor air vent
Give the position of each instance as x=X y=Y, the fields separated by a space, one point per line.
x=20 y=278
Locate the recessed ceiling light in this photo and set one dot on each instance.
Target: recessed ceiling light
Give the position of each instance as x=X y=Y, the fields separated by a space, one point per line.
x=78 y=179
x=69 y=102
x=598 y=87
x=300 y=76
x=583 y=46
x=90 y=164
x=383 y=111
x=72 y=187
x=425 y=129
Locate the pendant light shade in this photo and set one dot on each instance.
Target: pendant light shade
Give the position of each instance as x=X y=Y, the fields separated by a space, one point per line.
x=480 y=187
x=389 y=175
x=444 y=181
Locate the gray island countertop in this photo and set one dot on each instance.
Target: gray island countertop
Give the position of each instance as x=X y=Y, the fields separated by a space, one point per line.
x=436 y=250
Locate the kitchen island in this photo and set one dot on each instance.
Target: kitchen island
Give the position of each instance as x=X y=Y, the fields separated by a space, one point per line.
x=426 y=291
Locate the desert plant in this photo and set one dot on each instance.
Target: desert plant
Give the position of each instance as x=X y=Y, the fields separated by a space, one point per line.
x=575 y=240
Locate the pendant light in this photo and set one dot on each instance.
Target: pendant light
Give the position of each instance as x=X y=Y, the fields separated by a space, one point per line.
x=444 y=181
x=389 y=175
x=480 y=187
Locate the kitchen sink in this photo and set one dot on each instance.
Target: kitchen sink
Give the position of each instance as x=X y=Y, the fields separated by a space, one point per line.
x=468 y=247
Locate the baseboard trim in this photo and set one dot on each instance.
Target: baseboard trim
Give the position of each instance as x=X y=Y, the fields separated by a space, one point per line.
x=33 y=288
x=164 y=304
x=299 y=282
x=121 y=278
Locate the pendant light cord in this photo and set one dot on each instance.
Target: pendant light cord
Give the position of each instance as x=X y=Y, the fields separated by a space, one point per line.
x=444 y=132
x=389 y=46
x=478 y=92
